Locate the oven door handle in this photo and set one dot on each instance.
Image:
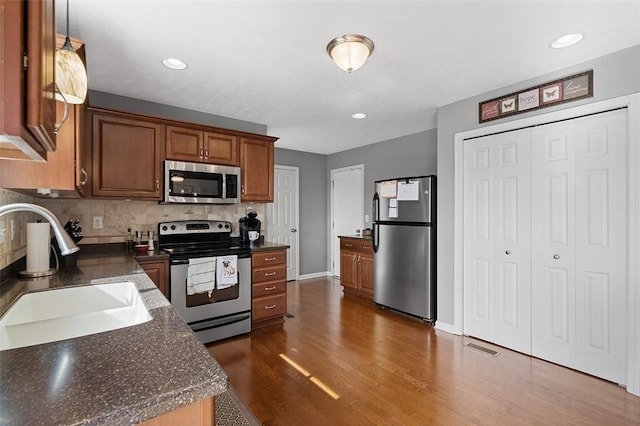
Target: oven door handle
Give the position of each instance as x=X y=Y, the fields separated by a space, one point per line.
x=219 y=322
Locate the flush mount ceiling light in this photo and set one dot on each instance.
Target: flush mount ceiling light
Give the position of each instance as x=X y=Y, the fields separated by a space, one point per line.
x=359 y=115
x=566 y=41
x=350 y=51
x=71 y=75
x=174 y=64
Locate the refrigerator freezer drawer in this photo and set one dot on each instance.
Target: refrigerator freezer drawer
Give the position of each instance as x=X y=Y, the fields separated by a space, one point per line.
x=403 y=278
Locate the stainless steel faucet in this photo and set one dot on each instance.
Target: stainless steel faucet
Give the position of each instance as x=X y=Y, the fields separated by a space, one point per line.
x=65 y=242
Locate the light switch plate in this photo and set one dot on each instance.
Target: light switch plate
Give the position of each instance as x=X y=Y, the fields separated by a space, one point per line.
x=366 y=218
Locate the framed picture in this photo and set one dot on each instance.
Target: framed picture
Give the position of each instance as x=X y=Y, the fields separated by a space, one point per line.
x=528 y=100
x=508 y=105
x=579 y=86
x=567 y=89
x=489 y=110
x=551 y=93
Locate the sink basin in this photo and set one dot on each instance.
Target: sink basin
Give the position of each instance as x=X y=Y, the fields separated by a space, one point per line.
x=53 y=315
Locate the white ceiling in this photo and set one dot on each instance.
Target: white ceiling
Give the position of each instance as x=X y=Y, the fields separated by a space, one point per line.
x=265 y=61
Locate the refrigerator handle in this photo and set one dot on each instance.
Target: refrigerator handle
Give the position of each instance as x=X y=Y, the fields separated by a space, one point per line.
x=376 y=227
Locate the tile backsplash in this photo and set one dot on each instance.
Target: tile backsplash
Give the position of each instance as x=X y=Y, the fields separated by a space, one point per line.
x=144 y=216
x=12 y=249
x=117 y=216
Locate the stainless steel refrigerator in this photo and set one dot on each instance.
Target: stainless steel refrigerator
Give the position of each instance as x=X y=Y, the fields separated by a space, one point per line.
x=404 y=241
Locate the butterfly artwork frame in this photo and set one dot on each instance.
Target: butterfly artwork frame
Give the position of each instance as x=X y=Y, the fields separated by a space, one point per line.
x=567 y=89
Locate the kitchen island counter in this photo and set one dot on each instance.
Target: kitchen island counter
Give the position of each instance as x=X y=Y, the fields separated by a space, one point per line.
x=119 y=377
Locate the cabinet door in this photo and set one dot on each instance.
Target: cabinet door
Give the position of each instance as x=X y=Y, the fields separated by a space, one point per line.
x=365 y=273
x=349 y=269
x=184 y=144
x=41 y=50
x=256 y=161
x=221 y=149
x=158 y=272
x=127 y=157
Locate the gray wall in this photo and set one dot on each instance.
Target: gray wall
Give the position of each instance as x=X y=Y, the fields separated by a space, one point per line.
x=312 y=228
x=411 y=155
x=123 y=103
x=614 y=75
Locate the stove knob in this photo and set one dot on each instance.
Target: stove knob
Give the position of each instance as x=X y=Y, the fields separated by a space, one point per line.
x=219 y=226
x=226 y=226
x=173 y=227
x=164 y=227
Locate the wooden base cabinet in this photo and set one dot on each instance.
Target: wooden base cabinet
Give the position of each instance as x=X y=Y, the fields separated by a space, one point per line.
x=356 y=266
x=158 y=271
x=269 y=287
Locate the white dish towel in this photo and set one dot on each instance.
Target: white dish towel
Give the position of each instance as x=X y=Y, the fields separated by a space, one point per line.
x=201 y=275
x=227 y=271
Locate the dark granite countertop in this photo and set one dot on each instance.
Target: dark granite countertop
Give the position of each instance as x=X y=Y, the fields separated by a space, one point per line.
x=357 y=237
x=119 y=377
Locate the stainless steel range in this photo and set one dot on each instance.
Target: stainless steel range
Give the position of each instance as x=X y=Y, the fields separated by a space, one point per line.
x=210 y=277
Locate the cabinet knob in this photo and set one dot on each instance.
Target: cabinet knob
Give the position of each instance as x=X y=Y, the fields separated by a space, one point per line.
x=157 y=185
x=206 y=153
x=201 y=153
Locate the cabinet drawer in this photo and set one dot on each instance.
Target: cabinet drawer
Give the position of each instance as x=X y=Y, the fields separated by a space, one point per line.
x=268 y=258
x=268 y=306
x=271 y=273
x=269 y=288
x=356 y=245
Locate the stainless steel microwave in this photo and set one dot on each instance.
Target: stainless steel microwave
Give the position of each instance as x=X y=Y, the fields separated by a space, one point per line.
x=199 y=183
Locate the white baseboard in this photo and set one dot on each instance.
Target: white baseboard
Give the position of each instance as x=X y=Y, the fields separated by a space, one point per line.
x=449 y=328
x=314 y=275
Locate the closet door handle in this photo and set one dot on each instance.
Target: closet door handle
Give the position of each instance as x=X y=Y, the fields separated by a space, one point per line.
x=556 y=256
x=508 y=252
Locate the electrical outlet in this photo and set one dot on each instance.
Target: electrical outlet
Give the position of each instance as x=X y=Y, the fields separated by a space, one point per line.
x=97 y=222
x=366 y=218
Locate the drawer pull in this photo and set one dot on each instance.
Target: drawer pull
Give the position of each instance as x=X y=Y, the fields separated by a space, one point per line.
x=348 y=245
x=269 y=259
x=366 y=247
x=270 y=288
x=269 y=274
x=270 y=307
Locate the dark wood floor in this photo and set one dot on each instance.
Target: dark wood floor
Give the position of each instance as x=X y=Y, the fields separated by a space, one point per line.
x=342 y=361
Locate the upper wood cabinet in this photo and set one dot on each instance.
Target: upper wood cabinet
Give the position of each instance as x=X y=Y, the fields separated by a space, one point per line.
x=28 y=106
x=188 y=144
x=64 y=172
x=256 y=162
x=127 y=156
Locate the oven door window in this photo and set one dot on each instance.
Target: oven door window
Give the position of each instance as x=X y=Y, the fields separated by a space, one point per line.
x=217 y=295
x=195 y=184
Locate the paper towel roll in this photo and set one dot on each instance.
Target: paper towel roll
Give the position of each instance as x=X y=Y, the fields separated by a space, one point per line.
x=38 y=240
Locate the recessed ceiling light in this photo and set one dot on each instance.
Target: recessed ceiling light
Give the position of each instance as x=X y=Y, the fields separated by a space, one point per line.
x=566 y=41
x=359 y=115
x=174 y=64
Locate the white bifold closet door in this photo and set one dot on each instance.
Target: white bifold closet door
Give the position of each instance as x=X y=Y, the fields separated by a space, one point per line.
x=545 y=242
x=497 y=244
x=579 y=233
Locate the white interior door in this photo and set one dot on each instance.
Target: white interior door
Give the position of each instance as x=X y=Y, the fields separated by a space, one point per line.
x=497 y=244
x=282 y=215
x=580 y=243
x=347 y=212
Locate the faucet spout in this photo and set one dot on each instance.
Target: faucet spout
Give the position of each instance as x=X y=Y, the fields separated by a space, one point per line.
x=66 y=243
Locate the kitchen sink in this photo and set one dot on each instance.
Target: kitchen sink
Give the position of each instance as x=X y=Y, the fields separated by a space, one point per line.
x=66 y=313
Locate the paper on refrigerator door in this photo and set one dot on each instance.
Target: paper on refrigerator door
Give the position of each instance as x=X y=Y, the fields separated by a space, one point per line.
x=388 y=189
x=409 y=191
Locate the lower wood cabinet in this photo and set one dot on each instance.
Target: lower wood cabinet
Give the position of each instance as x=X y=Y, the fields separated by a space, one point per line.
x=201 y=413
x=158 y=271
x=356 y=266
x=269 y=287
